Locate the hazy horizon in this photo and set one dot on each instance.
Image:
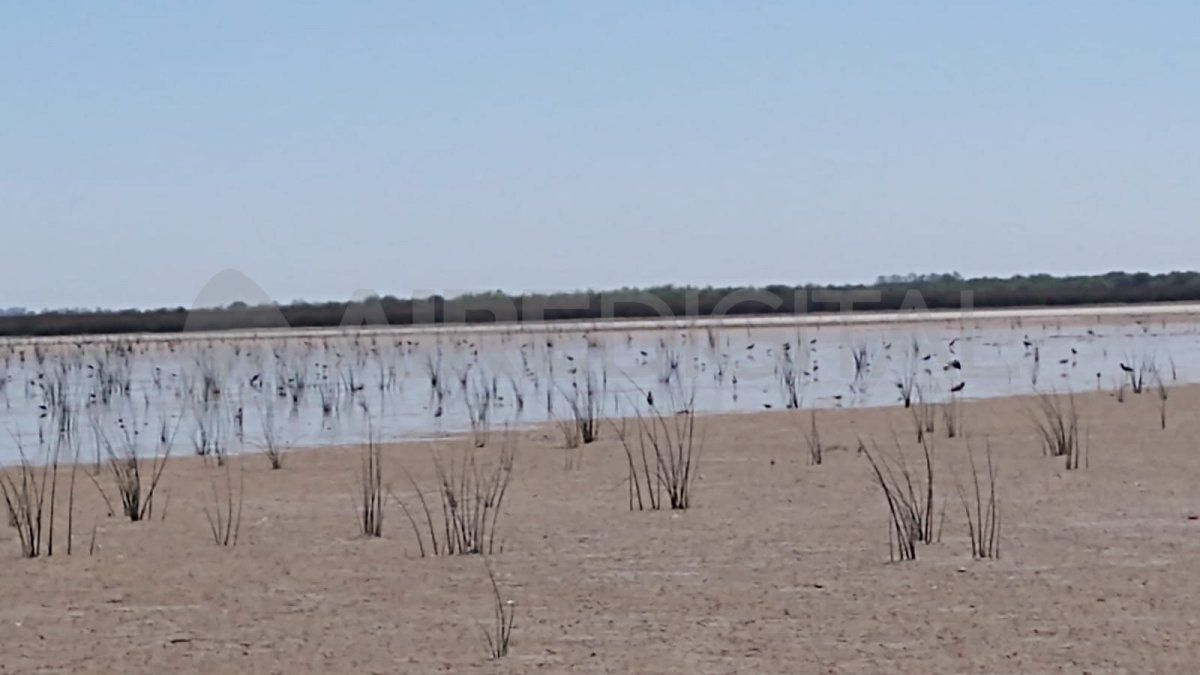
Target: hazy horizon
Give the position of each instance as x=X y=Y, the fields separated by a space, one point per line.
x=328 y=150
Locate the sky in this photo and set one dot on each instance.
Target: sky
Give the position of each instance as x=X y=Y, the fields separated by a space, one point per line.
x=327 y=149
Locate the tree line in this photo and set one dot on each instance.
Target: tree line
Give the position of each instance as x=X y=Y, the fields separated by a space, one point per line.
x=916 y=291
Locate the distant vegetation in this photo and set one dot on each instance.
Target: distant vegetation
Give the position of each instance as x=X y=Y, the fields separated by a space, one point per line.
x=933 y=291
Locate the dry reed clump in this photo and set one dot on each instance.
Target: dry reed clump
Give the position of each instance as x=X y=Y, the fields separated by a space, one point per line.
x=30 y=493
x=1160 y=389
x=910 y=391
x=371 y=489
x=25 y=495
x=1056 y=421
x=225 y=518
x=569 y=429
x=468 y=510
x=909 y=496
x=127 y=463
x=587 y=407
x=924 y=416
x=273 y=446
x=478 y=397
x=663 y=456
x=812 y=438
x=1137 y=369
x=503 y=618
x=952 y=417
x=789 y=377
x=982 y=509
x=208 y=433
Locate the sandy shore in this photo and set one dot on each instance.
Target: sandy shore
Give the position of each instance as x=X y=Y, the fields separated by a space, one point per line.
x=780 y=566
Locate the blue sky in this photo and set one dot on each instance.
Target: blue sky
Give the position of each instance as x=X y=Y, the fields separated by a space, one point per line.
x=326 y=148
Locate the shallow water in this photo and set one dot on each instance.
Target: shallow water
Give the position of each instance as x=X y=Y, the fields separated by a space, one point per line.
x=229 y=393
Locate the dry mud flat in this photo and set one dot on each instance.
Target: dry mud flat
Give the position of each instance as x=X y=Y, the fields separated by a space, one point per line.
x=780 y=566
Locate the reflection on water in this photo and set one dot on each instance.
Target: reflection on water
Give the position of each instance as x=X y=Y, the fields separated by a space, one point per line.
x=224 y=394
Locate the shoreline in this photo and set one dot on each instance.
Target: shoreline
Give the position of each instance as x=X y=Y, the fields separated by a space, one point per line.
x=853 y=318
x=547 y=430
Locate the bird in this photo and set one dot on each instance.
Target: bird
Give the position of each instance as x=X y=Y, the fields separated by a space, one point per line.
x=650 y=397
x=958 y=387
x=1126 y=368
x=955 y=364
